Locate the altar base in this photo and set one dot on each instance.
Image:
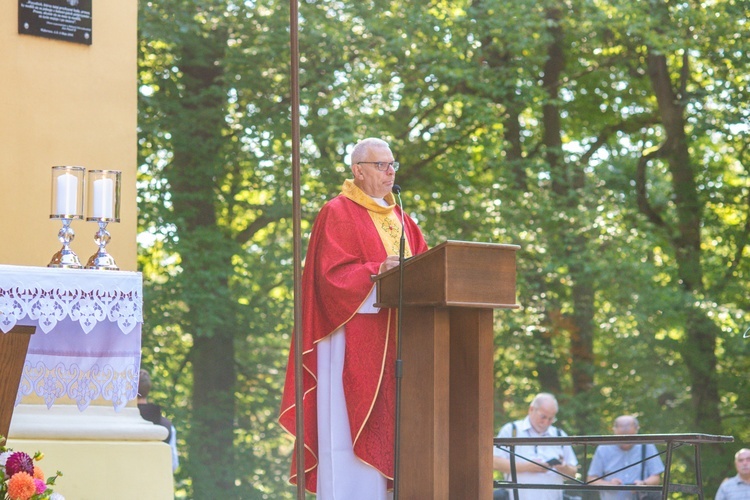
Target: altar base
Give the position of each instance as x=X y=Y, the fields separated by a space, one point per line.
x=101 y=453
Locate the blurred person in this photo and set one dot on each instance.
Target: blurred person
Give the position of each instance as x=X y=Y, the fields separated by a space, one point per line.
x=152 y=413
x=609 y=458
x=737 y=487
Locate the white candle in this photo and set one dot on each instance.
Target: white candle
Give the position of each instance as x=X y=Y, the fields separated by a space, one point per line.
x=67 y=194
x=103 y=205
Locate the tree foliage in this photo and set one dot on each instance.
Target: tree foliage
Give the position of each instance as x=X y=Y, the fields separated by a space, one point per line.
x=607 y=138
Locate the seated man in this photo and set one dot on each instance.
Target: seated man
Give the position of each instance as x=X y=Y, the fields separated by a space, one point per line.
x=612 y=457
x=738 y=486
x=538 y=423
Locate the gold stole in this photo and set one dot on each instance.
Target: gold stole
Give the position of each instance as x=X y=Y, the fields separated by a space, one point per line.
x=386 y=222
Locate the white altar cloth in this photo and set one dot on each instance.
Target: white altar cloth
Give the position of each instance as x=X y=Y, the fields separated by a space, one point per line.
x=87 y=343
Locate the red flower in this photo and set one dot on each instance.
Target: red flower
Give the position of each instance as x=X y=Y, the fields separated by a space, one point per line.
x=19 y=462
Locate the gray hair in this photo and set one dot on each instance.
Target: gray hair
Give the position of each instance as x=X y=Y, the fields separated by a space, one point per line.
x=631 y=419
x=364 y=146
x=543 y=397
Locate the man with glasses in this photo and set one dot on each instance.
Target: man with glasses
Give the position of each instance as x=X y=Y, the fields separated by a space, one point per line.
x=534 y=461
x=349 y=344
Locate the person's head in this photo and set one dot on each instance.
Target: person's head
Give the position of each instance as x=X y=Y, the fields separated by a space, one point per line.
x=742 y=463
x=543 y=411
x=625 y=424
x=144 y=384
x=367 y=158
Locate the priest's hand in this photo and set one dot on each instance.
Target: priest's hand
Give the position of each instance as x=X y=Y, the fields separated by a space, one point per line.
x=389 y=263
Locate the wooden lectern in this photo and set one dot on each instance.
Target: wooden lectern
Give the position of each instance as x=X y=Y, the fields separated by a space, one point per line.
x=13 y=347
x=447 y=384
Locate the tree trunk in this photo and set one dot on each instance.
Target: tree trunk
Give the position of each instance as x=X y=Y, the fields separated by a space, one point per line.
x=546 y=366
x=552 y=130
x=212 y=436
x=564 y=186
x=699 y=348
x=206 y=260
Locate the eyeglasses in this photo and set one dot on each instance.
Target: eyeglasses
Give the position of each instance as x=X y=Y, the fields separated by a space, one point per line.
x=382 y=165
x=545 y=417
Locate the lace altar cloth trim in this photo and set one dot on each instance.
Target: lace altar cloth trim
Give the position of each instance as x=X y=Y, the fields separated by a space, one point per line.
x=50 y=379
x=91 y=323
x=86 y=296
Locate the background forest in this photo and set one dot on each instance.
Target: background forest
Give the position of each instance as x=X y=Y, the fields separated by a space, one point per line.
x=607 y=138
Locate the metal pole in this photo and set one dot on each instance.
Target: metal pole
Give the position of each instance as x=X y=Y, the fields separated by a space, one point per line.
x=399 y=364
x=298 y=371
x=698 y=471
x=667 y=471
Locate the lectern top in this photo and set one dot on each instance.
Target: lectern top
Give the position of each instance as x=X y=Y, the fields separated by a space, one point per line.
x=455 y=274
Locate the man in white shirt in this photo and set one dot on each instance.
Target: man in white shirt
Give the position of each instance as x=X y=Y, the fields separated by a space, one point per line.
x=538 y=423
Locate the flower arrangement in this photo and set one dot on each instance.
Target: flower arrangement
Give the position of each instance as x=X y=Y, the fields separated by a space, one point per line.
x=20 y=479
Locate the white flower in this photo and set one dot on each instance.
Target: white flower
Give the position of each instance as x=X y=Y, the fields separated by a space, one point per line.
x=56 y=496
x=4 y=457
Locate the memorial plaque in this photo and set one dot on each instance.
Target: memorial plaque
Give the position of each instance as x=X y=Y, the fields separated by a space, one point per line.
x=68 y=20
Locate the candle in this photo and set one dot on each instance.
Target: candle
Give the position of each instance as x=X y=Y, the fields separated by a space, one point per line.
x=103 y=206
x=67 y=194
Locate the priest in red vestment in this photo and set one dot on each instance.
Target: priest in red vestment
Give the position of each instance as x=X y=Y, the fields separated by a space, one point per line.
x=349 y=344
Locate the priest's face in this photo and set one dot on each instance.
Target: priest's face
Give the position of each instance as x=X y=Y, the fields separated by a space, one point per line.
x=369 y=178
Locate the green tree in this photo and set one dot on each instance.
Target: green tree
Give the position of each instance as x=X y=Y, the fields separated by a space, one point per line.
x=205 y=202
x=607 y=138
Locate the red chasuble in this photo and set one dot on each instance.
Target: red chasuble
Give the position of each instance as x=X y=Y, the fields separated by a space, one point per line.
x=347 y=246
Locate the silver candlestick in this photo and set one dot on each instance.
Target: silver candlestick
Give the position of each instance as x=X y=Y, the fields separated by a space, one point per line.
x=66 y=205
x=103 y=208
x=101 y=259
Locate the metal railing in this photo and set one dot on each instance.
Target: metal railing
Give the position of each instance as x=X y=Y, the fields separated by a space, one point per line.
x=672 y=442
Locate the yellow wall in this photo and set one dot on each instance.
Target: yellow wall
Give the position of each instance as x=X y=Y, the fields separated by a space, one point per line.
x=65 y=103
x=96 y=470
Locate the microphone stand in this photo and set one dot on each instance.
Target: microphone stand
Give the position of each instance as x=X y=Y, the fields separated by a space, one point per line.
x=399 y=367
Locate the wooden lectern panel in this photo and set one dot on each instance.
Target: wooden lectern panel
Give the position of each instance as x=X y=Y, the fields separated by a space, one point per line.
x=13 y=347
x=425 y=400
x=471 y=402
x=447 y=404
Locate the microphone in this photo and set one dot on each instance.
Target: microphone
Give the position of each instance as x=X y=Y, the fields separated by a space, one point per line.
x=396 y=189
